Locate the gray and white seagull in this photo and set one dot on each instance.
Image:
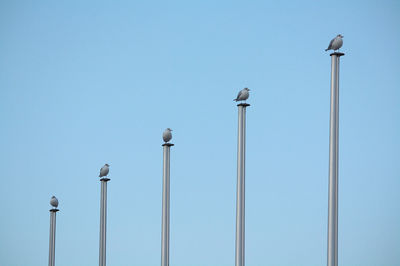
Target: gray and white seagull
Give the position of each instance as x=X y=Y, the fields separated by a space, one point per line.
x=243 y=95
x=54 y=202
x=167 y=135
x=335 y=43
x=104 y=170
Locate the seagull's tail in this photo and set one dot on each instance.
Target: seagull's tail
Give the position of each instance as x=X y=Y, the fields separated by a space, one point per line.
x=235 y=100
x=99 y=175
x=326 y=49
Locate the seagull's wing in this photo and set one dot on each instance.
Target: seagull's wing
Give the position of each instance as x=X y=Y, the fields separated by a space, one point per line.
x=330 y=44
x=240 y=92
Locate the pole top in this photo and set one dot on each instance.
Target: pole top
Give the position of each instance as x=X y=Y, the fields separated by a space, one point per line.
x=54 y=210
x=168 y=144
x=338 y=54
x=243 y=104
x=105 y=179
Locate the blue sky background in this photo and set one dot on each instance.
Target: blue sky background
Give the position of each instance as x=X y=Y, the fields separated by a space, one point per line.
x=83 y=83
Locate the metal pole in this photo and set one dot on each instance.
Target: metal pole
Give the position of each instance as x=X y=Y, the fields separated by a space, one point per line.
x=240 y=193
x=52 y=240
x=165 y=206
x=332 y=257
x=103 y=221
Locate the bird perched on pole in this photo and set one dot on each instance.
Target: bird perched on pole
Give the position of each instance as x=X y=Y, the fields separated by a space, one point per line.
x=167 y=135
x=335 y=43
x=243 y=95
x=54 y=202
x=104 y=170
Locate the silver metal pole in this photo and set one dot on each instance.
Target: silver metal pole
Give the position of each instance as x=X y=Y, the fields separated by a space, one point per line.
x=332 y=257
x=103 y=221
x=52 y=240
x=240 y=192
x=165 y=206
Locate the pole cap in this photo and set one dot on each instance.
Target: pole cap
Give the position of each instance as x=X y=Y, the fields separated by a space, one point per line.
x=168 y=144
x=243 y=104
x=338 y=54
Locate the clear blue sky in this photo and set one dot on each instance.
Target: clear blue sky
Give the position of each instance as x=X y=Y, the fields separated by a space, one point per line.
x=83 y=83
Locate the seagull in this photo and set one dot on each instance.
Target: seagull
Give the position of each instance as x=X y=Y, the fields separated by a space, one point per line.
x=243 y=95
x=104 y=170
x=167 y=135
x=54 y=202
x=336 y=43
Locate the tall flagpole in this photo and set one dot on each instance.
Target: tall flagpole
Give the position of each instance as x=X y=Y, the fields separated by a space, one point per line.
x=165 y=205
x=52 y=239
x=103 y=221
x=240 y=193
x=332 y=256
